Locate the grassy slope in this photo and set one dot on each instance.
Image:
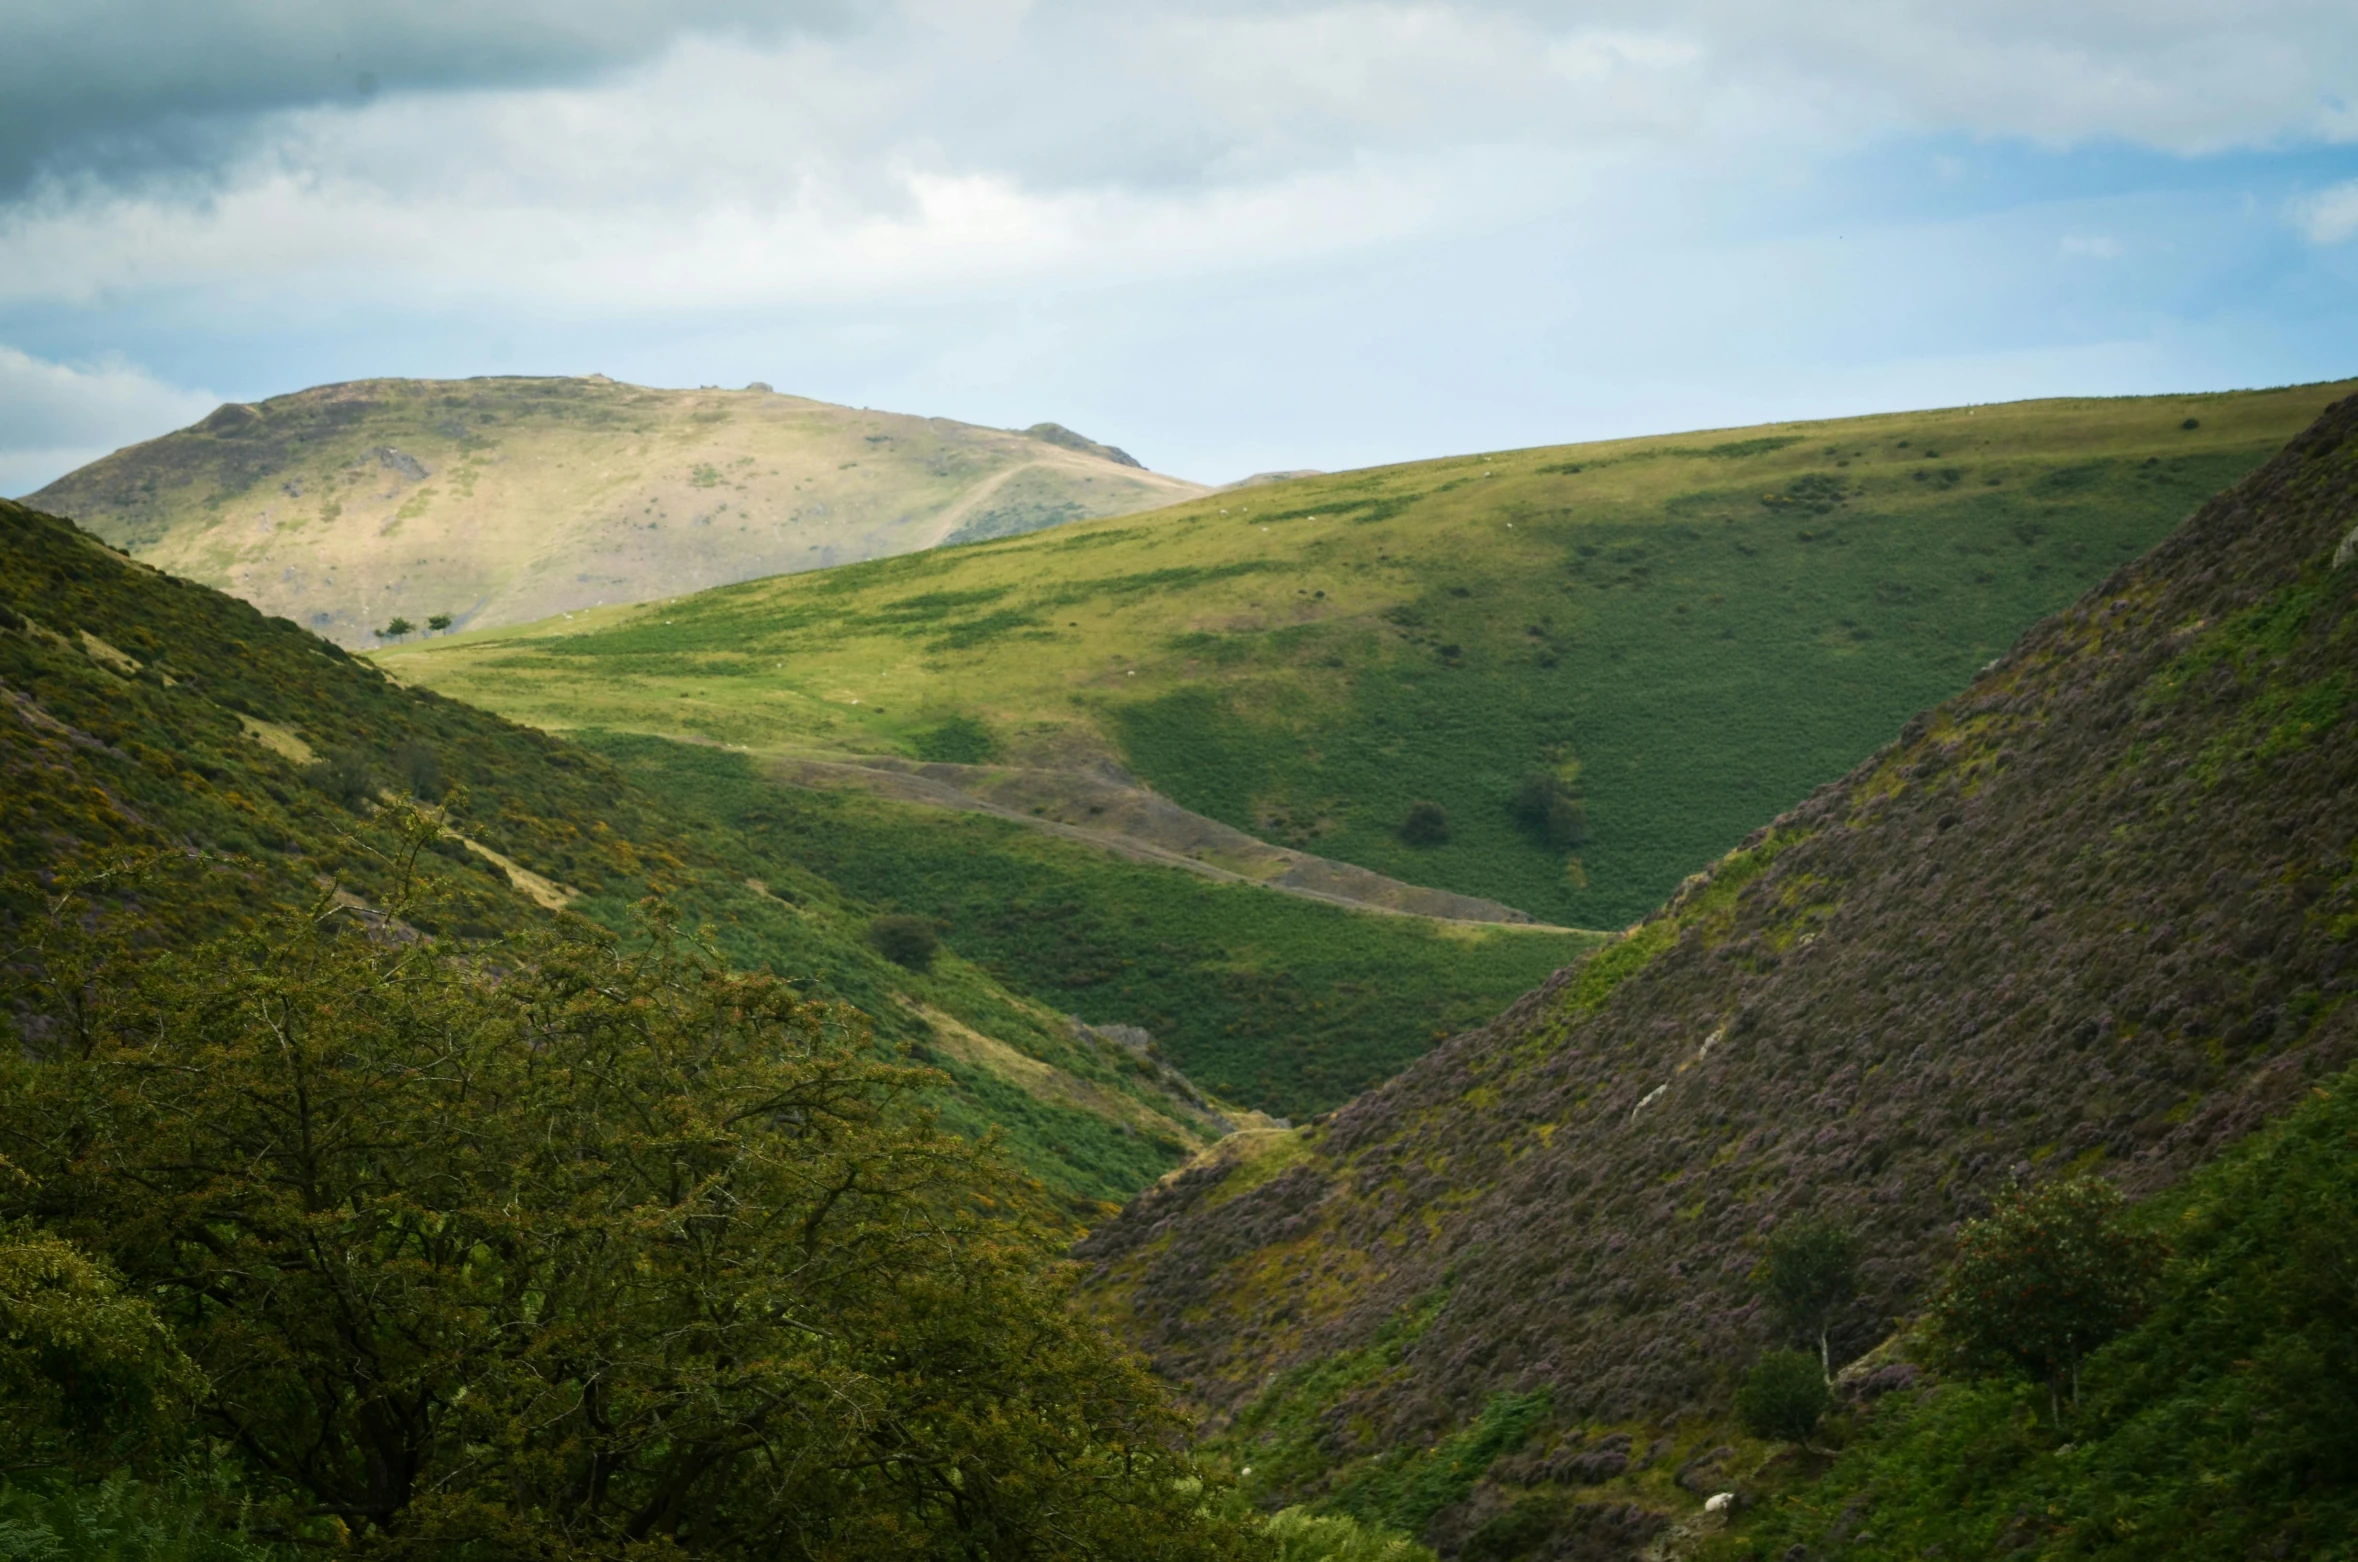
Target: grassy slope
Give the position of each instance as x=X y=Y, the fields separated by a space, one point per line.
x=2219 y=1428
x=1698 y=629
x=499 y=500
x=2094 y=912
x=140 y=738
x=1289 y=1005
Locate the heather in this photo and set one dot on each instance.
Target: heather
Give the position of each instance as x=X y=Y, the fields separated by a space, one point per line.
x=2090 y=915
x=2218 y=1427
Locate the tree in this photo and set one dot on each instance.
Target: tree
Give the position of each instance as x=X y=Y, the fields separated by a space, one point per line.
x=437 y=622
x=420 y=768
x=397 y=629
x=1551 y=809
x=1812 y=1275
x=1784 y=1397
x=905 y=941
x=88 y=1374
x=603 y=1253
x=2053 y=1273
x=1425 y=824
x=343 y=775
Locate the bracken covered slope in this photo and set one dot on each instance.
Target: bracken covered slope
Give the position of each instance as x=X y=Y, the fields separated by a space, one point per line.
x=2097 y=911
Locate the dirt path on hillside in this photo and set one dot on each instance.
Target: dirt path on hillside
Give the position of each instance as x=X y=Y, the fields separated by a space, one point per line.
x=972 y=500
x=1105 y=807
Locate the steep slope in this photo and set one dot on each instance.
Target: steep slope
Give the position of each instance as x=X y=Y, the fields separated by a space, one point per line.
x=144 y=712
x=1604 y=663
x=2096 y=911
x=499 y=500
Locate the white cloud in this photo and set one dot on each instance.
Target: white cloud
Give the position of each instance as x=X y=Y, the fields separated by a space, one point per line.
x=2331 y=215
x=55 y=417
x=936 y=147
x=2095 y=246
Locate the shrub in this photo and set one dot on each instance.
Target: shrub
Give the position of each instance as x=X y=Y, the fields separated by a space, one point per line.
x=1298 y=1535
x=1784 y=1397
x=1551 y=810
x=345 y=776
x=608 y=1253
x=905 y=941
x=959 y=740
x=2047 y=1278
x=86 y=1372
x=420 y=769
x=1812 y=1274
x=1425 y=824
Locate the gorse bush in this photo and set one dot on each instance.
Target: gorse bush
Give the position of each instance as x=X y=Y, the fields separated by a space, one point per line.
x=1784 y=1397
x=603 y=1253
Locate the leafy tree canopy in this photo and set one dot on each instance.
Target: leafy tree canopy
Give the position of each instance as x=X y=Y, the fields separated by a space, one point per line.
x=2053 y=1273
x=597 y=1251
x=1812 y=1274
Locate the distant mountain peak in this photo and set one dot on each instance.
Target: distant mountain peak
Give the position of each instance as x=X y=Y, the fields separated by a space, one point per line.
x=1058 y=434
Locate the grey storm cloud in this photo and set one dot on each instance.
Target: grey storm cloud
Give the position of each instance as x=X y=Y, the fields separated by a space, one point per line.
x=114 y=86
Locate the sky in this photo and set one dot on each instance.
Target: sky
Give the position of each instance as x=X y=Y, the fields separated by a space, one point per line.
x=1229 y=237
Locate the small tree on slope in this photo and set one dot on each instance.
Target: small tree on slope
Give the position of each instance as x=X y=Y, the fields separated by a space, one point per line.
x=1813 y=1272
x=2050 y=1276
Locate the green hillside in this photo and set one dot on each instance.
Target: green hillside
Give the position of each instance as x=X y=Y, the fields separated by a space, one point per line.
x=1288 y=1005
x=2090 y=916
x=1603 y=663
x=156 y=712
x=149 y=714
x=502 y=499
x=2219 y=1427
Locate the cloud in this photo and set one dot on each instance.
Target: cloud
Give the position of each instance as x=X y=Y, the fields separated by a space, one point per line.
x=55 y=417
x=2091 y=246
x=122 y=85
x=2330 y=216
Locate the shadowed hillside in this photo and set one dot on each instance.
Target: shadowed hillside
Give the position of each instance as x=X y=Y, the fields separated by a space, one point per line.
x=503 y=499
x=1596 y=667
x=147 y=714
x=2096 y=911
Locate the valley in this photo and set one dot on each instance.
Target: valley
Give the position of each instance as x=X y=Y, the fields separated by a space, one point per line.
x=2090 y=915
x=1600 y=665
x=1238 y=885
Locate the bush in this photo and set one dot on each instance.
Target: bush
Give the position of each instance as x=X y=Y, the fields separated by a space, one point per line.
x=605 y=1253
x=1784 y=1397
x=420 y=768
x=1812 y=1274
x=959 y=740
x=905 y=941
x=344 y=776
x=1551 y=810
x=2050 y=1276
x=1425 y=824
x=1298 y=1535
